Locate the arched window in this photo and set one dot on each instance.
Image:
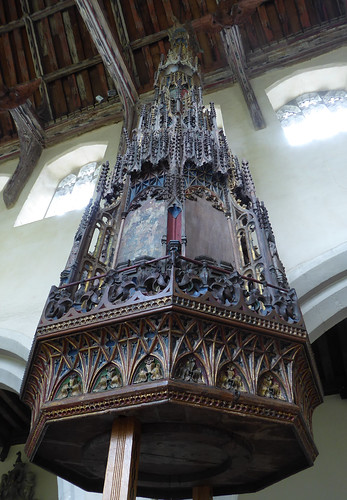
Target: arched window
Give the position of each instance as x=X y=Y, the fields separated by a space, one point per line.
x=74 y=191
x=314 y=116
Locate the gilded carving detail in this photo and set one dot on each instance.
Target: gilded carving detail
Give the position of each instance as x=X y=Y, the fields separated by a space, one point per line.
x=270 y=387
x=150 y=369
x=168 y=346
x=109 y=378
x=70 y=387
x=229 y=378
x=188 y=370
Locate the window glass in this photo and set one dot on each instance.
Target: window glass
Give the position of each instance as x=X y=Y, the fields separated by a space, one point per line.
x=314 y=116
x=74 y=191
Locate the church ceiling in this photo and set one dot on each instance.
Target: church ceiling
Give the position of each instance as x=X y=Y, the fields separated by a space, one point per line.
x=50 y=40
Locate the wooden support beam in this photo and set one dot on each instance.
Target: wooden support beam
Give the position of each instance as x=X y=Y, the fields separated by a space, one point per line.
x=123 y=459
x=202 y=493
x=80 y=122
x=236 y=58
x=31 y=141
x=111 y=55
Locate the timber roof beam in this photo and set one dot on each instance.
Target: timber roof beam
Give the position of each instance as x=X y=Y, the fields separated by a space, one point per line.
x=31 y=141
x=237 y=61
x=112 y=55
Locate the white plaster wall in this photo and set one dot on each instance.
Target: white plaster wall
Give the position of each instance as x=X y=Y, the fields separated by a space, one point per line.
x=303 y=187
x=327 y=479
x=33 y=255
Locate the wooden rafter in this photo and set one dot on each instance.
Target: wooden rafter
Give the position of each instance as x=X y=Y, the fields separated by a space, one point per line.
x=31 y=140
x=235 y=55
x=154 y=19
x=265 y=23
x=283 y=16
x=72 y=68
x=35 y=54
x=303 y=14
x=317 y=41
x=141 y=31
x=111 y=55
x=124 y=36
x=149 y=39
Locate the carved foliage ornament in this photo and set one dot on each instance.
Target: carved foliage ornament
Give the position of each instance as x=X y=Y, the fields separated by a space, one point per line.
x=193 y=278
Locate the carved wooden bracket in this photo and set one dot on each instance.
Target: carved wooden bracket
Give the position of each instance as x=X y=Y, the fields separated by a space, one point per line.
x=112 y=56
x=237 y=61
x=31 y=142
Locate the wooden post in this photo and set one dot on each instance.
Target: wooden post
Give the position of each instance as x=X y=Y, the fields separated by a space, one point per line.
x=123 y=459
x=202 y=493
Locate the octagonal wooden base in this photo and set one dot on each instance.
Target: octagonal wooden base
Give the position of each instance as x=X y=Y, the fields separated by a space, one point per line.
x=187 y=438
x=220 y=404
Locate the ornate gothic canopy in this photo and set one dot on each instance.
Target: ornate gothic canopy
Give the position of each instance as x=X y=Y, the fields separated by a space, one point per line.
x=173 y=328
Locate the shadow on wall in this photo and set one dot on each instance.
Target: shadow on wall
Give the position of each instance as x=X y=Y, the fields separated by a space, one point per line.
x=321 y=285
x=14 y=353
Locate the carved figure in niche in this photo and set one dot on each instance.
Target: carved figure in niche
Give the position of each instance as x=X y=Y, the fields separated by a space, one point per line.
x=278 y=266
x=59 y=302
x=102 y=383
x=154 y=369
x=115 y=379
x=229 y=379
x=149 y=370
x=269 y=387
x=71 y=387
x=109 y=379
x=18 y=484
x=91 y=297
x=254 y=242
x=190 y=371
